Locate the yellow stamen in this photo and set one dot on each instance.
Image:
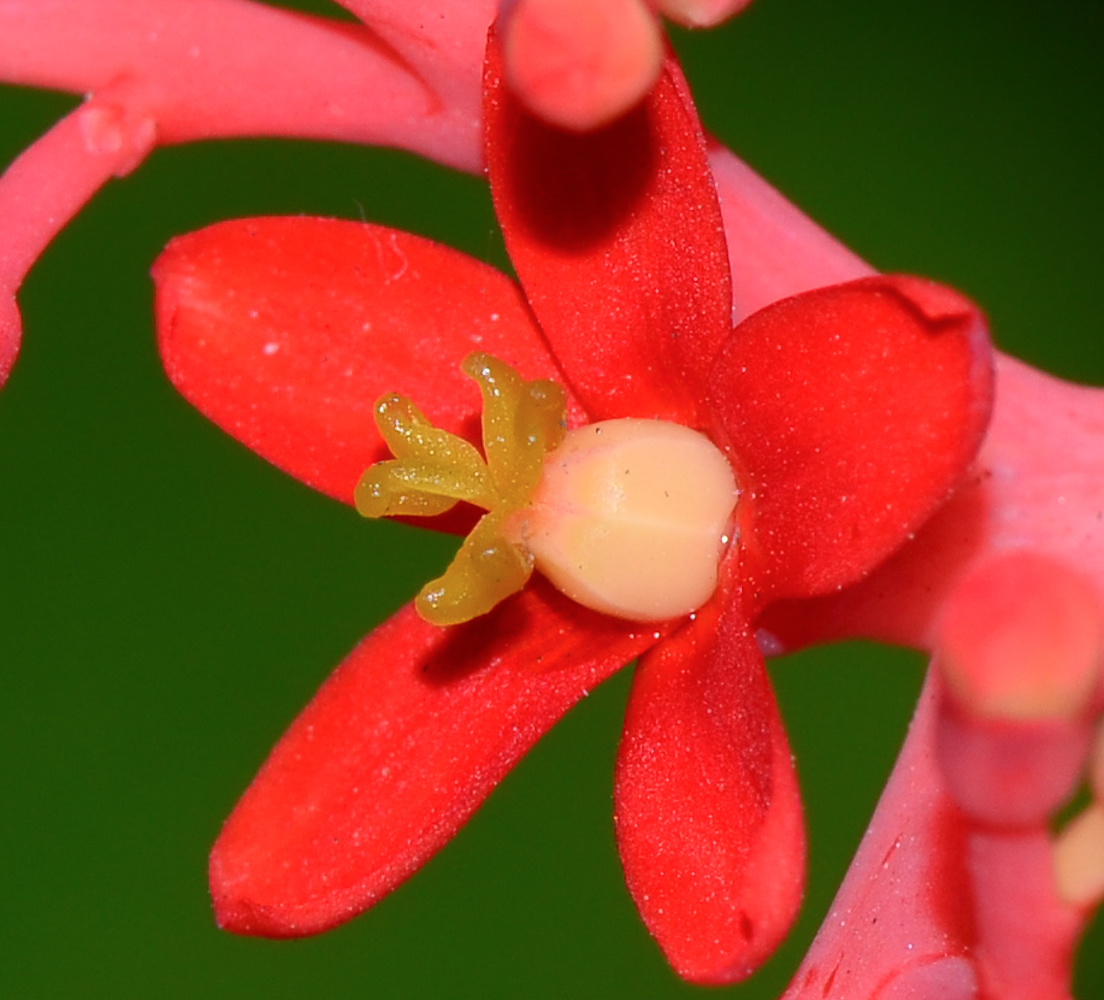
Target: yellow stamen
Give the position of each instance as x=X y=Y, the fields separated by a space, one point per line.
x=433 y=470
x=628 y=517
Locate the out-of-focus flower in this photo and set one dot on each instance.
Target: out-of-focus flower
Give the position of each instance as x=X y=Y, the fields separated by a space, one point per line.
x=960 y=888
x=286 y=332
x=700 y=13
x=581 y=63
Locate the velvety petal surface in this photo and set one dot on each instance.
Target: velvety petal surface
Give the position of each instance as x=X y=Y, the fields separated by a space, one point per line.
x=397 y=750
x=616 y=236
x=852 y=412
x=285 y=332
x=709 y=819
x=1036 y=485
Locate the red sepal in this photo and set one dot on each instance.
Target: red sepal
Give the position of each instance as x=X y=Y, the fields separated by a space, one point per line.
x=285 y=332
x=852 y=412
x=396 y=751
x=617 y=238
x=709 y=818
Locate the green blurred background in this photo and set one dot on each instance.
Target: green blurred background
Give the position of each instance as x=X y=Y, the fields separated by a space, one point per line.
x=169 y=602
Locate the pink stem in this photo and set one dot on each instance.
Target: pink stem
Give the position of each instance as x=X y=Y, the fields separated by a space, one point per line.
x=1025 y=935
x=774 y=249
x=444 y=40
x=49 y=183
x=168 y=71
x=938 y=905
x=899 y=925
x=216 y=68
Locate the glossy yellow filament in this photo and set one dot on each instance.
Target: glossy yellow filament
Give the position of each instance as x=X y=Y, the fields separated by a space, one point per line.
x=433 y=470
x=629 y=517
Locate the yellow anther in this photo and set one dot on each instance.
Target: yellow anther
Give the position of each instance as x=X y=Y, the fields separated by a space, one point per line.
x=487 y=569
x=521 y=421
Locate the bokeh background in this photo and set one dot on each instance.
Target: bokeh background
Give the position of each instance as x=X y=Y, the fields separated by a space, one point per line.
x=168 y=602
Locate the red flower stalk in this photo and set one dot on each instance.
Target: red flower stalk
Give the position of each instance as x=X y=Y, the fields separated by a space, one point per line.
x=161 y=72
x=848 y=414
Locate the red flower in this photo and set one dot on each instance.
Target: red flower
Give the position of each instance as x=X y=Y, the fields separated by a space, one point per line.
x=848 y=415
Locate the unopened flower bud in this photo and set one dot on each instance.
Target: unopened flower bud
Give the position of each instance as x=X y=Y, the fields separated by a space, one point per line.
x=1020 y=651
x=1022 y=640
x=632 y=517
x=1079 y=858
x=699 y=13
x=1096 y=763
x=580 y=64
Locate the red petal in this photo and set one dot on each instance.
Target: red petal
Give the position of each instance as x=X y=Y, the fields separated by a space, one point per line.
x=708 y=813
x=617 y=238
x=285 y=332
x=1037 y=486
x=396 y=751
x=853 y=411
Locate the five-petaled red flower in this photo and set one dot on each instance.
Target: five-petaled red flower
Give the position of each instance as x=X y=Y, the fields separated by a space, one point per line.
x=848 y=415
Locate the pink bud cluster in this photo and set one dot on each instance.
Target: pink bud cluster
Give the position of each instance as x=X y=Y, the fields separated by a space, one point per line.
x=1021 y=656
x=966 y=884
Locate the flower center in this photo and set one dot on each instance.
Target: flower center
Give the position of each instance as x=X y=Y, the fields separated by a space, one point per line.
x=628 y=517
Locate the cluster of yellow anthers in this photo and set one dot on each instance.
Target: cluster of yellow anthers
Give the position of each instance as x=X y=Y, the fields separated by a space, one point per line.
x=630 y=517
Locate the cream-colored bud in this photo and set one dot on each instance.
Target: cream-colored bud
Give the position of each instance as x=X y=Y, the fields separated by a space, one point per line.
x=1079 y=858
x=631 y=518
